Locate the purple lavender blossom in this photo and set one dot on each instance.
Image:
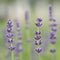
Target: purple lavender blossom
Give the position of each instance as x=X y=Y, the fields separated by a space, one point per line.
x=37 y=37
x=50 y=12
x=53 y=41
x=18 y=45
x=53 y=24
x=10 y=40
x=52 y=35
x=38 y=50
x=37 y=32
x=38 y=42
x=54 y=29
x=9 y=29
x=39 y=19
x=9 y=35
x=52 y=50
x=38 y=24
x=11 y=48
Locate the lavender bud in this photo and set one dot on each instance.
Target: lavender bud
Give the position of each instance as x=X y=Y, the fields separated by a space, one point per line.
x=53 y=24
x=53 y=50
x=9 y=25
x=10 y=40
x=54 y=20
x=17 y=24
x=11 y=48
x=52 y=35
x=39 y=19
x=9 y=35
x=38 y=24
x=9 y=29
x=50 y=12
x=53 y=41
x=40 y=42
x=38 y=50
x=37 y=37
x=9 y=22
x=50 y=7
x=54 y=29
x=37 y=32
x=36 y=43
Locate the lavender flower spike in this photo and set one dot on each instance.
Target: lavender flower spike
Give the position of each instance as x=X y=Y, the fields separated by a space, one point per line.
x=9 y=35
x=50 y=12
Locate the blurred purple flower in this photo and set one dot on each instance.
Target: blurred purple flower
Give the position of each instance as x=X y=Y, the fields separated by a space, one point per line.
x=9 y=36
x=37 y=32
x=38 y=50
x=39 y=19
x=53 y=41
x=37 y=37
x=52 y=50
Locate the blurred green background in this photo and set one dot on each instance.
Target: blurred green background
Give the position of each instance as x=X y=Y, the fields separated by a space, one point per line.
x=15 y=9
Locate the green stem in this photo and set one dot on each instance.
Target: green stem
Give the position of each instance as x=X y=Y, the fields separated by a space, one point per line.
x=12 y=55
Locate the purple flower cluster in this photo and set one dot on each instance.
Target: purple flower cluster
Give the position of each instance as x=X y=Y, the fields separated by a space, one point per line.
x=50 y=12
x=53 y=26
x=19 y=35
x=37 y=35
x=9 y=36
x=26 y=19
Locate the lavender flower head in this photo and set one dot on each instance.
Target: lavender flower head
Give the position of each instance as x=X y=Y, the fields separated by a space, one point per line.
x=50 y=12
x=37 y=36
x=9 y=36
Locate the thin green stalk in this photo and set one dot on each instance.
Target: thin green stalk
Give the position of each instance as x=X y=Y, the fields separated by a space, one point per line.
x=12 y=55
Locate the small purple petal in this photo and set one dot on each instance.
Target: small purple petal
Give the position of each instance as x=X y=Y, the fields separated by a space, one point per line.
x=9 y=35
x=38 y=50
x=52 y=35
x=53 y=24
x=37 y=32
x=39 y=19
x=9 y=29
x=37 y=37
x=40 y=42
x=54 y=29
x=9 y=22
x=54 y=20
x=10 y=40
x=11 y=48
x=38 y=24
x=50 y=7
x=36 y=43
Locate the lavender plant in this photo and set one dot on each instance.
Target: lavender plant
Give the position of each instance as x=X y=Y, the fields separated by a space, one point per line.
x=50 y=12
x=53 y=33
x=37 y=37
x=53 y=27
x=10 y=39
x=26 y=19
x=19 y=41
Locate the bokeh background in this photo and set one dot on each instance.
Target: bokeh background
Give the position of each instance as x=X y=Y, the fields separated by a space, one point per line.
x=15 y=9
